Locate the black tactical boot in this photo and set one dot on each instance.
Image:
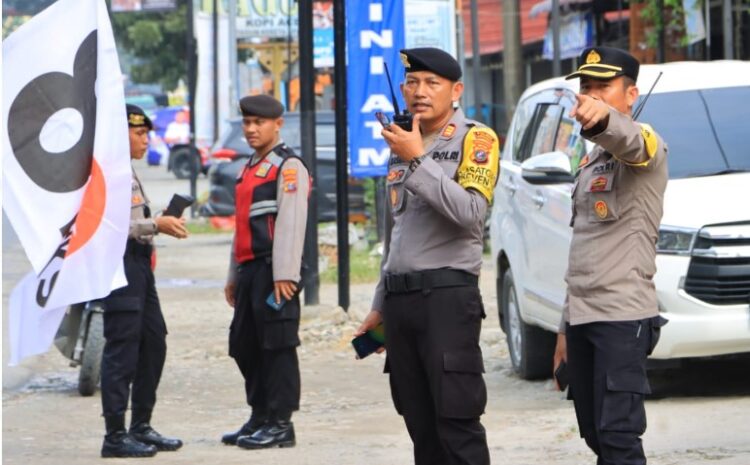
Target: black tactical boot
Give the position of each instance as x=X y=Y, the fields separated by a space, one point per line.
x=141 y=430
x=118 y=443
x=278 y=433
x=257 y=419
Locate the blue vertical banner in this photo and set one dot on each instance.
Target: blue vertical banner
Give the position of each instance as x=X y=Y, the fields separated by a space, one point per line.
x=375 y=34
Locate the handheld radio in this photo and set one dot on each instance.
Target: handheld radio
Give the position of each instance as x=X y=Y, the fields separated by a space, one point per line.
x=402 y=120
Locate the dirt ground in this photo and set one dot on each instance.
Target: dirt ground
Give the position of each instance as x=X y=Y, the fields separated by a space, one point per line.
x=698 y=415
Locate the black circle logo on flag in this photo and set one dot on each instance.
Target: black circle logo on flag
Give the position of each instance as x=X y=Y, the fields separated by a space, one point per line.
x=40 y=99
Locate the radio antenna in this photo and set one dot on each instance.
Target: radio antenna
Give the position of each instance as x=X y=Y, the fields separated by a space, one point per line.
x=390 y=85
x=643 y=102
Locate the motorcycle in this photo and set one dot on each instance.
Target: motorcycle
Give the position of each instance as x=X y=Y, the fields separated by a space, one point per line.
x=80 y=338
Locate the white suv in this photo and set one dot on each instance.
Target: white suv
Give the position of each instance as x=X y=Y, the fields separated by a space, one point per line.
x=702 y=110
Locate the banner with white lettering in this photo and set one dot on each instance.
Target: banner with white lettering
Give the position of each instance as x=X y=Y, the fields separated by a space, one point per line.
x=375 y=34
x=66 y=165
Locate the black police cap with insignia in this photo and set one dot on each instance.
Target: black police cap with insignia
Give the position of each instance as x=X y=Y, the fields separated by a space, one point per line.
x=606 y=63
x=264 y=106
x=431 y=59
x=137 y=117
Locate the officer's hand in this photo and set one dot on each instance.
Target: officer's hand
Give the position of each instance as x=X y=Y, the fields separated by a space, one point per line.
x=406 y=144
x=171 y=226
x=372 y=320
x=285 y=289
x=229 y=293
x=589 y=111
x=561 y=355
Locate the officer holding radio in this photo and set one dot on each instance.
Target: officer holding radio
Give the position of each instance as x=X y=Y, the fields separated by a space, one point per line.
x=264 y=277
x=134 y=327
x=611 y=319
x=441 y=177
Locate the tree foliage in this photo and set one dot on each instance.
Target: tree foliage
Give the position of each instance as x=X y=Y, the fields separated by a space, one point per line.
x=157 y=41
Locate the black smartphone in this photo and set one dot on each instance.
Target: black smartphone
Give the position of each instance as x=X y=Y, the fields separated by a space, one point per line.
x=369 y=342
x=383 y=118
x=271 y=299
x=178 y=204
x=561 y=375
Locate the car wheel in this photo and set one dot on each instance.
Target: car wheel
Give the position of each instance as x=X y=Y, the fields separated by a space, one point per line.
x=531 y=348
x=181 y=164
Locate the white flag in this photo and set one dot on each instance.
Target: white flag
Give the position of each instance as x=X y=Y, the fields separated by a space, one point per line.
x=66 y=164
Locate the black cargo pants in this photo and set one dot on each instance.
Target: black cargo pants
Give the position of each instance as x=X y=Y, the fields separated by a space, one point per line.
x=608 y=384
x=435 y=365
x=263 y=342
x=135 y=333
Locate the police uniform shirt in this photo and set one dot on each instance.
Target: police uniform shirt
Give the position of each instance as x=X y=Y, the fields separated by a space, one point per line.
x=617 y=207
x=142 y=227
x=438 y=210
x=293 y=186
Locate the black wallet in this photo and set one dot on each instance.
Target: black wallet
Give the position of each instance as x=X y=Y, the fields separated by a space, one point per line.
x=178 y=204
x=561 y=375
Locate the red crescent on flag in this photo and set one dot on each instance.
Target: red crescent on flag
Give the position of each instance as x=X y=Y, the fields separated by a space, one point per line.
x=92 y=210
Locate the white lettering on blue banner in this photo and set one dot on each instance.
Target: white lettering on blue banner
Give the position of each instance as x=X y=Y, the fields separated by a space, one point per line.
x=375 y=34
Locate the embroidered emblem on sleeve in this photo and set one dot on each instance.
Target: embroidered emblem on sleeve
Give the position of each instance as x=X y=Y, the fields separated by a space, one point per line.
x=480 y=164
x=289 y=179
x=601 y=209
x=649 y=137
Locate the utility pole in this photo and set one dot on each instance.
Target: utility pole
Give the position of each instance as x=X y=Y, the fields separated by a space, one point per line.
x=556 y=69
x=234 y=94
x=215 y=62
x=512 y=57
x=727 y=30
x=310 y=275
x=342 y=188
x=191 y=66
x=476 y=56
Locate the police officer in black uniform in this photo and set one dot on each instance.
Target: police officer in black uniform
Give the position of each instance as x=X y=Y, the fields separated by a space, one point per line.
x=440 y=183
x=271 y=217
x=134 y=326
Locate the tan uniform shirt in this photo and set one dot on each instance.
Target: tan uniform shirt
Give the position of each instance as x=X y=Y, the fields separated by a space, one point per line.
x=142 y=228
x=290 y=225
x=617 y=207
x=437 y=215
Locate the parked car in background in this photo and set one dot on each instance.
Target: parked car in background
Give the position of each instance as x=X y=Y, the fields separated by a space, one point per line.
x=703 y=249
x=231 y=152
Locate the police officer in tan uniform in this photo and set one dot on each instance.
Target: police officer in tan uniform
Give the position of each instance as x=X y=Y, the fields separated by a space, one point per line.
x=440 y=182
x=611 y=319
x=271 y=216
x=134 y=326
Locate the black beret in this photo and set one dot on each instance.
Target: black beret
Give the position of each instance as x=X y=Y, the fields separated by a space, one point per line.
x=261 y=105
x=431 y=59
x=606 y=63
x=137 y=117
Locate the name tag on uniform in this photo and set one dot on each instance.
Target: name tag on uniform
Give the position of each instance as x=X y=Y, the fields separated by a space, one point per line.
x=263 y=169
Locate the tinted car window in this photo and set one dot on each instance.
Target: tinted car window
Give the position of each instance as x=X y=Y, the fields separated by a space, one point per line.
x=706 y=130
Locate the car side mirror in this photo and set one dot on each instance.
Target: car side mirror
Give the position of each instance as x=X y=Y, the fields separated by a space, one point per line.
x=547 y=168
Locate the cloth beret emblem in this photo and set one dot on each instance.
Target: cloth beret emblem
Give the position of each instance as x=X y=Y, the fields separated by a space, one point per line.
x=136 y=120
x=405 y=60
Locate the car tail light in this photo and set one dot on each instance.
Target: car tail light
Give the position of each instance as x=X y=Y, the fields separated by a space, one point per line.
x=228 y=154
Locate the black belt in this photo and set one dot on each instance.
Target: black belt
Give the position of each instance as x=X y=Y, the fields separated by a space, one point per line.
x=429 y=279
x=134 y=247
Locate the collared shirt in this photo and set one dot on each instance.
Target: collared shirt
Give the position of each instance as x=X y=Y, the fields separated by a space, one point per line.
x=434 y=222
x=618 y=202
x=142 y=225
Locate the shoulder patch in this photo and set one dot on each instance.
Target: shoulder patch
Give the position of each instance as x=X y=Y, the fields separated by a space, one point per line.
x=649 y=137
x=480 y=164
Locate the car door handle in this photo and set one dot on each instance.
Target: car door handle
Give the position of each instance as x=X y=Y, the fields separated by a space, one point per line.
x=539 y=199
x=511 y=186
